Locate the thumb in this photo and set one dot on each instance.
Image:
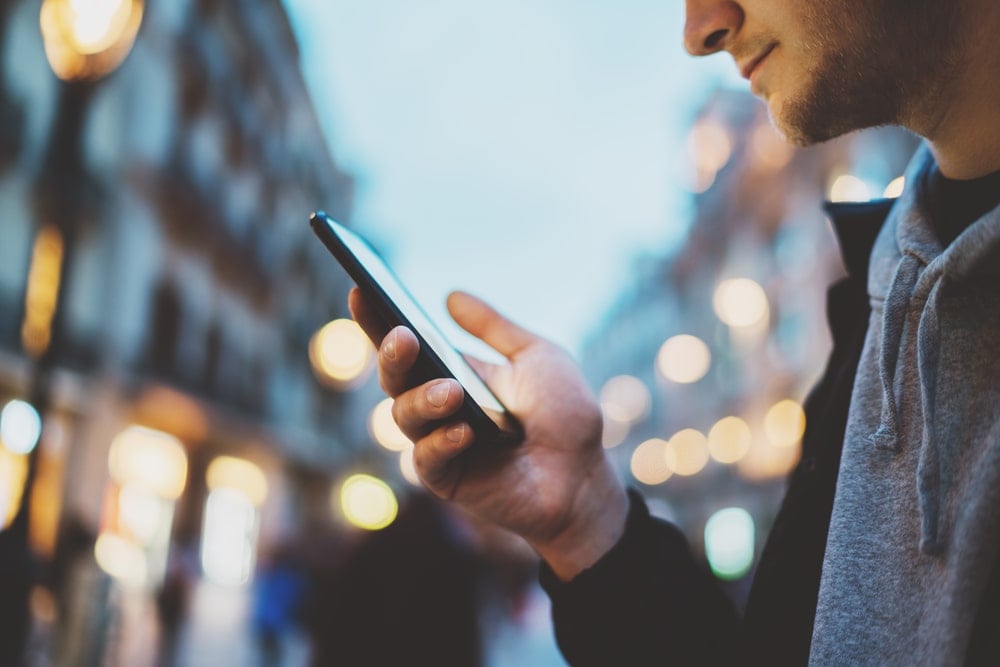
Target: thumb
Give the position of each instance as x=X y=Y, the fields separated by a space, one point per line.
x=486 y=324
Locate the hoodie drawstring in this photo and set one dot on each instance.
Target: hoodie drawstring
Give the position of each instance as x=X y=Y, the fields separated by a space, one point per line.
x=932 y=476
x=897 y=303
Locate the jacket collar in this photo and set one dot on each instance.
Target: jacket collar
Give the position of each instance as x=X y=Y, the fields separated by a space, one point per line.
x=857 y=225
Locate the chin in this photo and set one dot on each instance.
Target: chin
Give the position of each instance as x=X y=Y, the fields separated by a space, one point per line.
x=802 y=120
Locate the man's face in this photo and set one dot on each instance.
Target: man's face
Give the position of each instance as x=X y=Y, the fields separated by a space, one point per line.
x=826 y=67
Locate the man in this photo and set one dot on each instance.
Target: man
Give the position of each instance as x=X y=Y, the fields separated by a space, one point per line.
x=884 y=549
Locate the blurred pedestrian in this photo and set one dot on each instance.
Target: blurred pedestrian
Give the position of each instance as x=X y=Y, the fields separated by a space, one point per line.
x=886 y=546
x=278 y=593
x=173 y=598
x=407 y=595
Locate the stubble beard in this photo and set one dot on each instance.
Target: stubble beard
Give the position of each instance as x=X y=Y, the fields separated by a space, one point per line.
x=884 y=67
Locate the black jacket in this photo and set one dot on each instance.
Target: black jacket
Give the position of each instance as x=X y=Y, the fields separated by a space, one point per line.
x=648 y=602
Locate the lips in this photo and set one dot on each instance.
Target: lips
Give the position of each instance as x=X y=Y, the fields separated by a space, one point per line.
x=747 y=70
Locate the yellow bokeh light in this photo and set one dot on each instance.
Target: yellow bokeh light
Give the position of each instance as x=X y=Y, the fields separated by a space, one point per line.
x=341 y=353
x=41 y=297
x=785 y=423
x=87 y=39
x=625 y=398
x=368 y=502
x=649 y=462
x=687 y=452
x=684 y=359
x=96 y=24
x=729 y=440
x=383 y=428
x=895 y=187
x=13 y=471
x=151 y=459
x=740 y=302
x=764 y=462
x=849 y=188
x=229 y=472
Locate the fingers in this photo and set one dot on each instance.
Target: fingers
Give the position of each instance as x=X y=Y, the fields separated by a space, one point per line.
x=369 y=321
x=421 y=409
x=434 y=457
x=396 y=356
x=483 y=322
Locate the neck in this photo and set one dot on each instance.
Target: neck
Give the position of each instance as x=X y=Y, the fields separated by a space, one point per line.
x=964 y=131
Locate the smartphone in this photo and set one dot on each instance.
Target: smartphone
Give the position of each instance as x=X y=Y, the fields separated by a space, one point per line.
x=439 y=358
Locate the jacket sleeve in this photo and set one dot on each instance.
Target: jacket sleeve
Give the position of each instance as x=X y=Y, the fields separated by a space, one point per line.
x=646 y=602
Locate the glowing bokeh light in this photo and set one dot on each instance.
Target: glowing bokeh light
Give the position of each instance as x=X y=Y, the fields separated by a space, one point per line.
x=87 y=39
x=20 y=427
x=687 y=452
x=122 y=559
x=42 y=293
x=764 y=462
x=709 y=146
x=229 y=537
x=384 y=430
x=13 y=472
x=141 y=512
x=894 y=188
x=613 y=432
x=740 y=302
x=341 y=353
x=729 y=440
x=625 y=398
x=152 y=459
x=683 y=359
x=368 y=502
x=408 y=468
x=649 y=462
x=97 y=23
x=784 y=423
x=729 y=542
x=849 y=188
x=229 y=472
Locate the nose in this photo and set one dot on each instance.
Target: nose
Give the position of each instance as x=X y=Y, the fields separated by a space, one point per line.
x=710 y=25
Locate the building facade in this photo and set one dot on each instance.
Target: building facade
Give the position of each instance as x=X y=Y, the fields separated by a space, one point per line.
x=177 y=188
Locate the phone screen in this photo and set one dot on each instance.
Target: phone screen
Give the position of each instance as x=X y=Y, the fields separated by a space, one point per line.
x=378 y=282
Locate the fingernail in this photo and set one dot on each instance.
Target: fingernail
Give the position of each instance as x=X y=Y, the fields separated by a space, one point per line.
x=456 y=433
x=389 y=345
x=438 y=394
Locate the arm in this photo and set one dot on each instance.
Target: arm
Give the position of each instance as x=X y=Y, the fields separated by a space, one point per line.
x=646 y=602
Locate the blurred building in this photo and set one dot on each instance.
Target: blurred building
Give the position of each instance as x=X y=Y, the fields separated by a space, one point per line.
x=720 y=340
x=164 y=206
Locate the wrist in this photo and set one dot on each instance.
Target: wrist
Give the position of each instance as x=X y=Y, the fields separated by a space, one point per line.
x=597 y=523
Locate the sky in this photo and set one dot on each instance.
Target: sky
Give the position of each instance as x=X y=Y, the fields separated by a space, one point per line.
x=526 y=150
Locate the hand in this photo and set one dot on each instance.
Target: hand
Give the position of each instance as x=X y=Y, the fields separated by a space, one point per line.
x=556 y=489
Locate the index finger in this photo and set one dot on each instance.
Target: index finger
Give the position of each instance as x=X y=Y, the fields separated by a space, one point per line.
x=366 y=317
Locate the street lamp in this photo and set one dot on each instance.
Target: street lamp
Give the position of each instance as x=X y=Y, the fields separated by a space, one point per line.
x=85 y=40
x=88 y=39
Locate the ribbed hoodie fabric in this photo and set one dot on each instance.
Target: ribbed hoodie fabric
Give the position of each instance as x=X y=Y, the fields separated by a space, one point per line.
x=915 y=529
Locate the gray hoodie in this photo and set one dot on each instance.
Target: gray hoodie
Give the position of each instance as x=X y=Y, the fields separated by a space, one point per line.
x=916 y=520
